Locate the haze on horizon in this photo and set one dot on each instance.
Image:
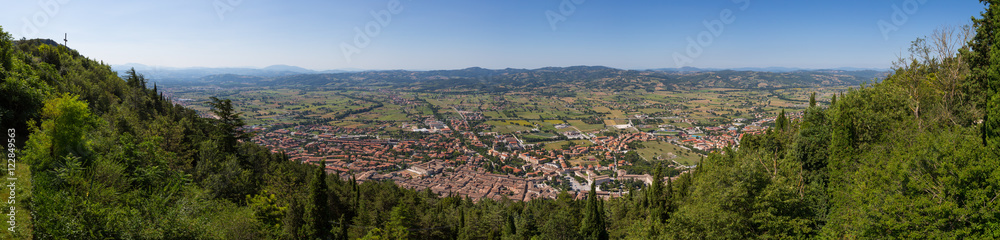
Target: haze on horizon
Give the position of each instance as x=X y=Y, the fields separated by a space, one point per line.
x=424 y=35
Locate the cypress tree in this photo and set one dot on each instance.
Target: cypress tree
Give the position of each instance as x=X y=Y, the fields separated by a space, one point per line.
x=593 y=226
x=782 y=122
x=343 y=228
x=655 y=195
x=318 y=211
x=510 y=230
x=984 y=64
x=812 y=99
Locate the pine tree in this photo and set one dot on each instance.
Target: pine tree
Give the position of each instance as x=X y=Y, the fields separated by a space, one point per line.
x=229 y=124
x=833 y=100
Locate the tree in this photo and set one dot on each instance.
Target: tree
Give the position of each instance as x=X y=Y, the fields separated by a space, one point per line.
x=21 y=95
x=6 y=51
x=991 y=125
x=398 y=226
x=509 y=229
x=229 y=124
x=136 y=80
x=812 y=99
x=593 y=225
x=527 y=227
x=63 y=133
x=266 y=209
x=984 y=63
x=657 y=204
x=318 y=212
x=293 y=221
x=782 y=122
x=561 y=224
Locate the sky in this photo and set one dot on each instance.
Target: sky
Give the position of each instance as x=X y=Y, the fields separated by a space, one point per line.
x=456 y=34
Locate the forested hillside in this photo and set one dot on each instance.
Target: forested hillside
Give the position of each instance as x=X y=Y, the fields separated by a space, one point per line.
x=101 y=155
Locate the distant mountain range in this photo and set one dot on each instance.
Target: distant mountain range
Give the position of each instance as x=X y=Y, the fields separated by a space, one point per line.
x=766 y=69
x=194 y=73
x=554 y=79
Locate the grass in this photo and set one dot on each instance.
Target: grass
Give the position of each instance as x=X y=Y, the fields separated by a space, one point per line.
x=662 y=149
x=506 y=128
x=517 y=122
x=23 y=228
x=617 y=114
x=602 y=109
x=585 y=127
x=583 y=160
x=560 y=144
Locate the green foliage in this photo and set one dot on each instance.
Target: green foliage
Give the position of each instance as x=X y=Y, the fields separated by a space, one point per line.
x=317 y=211
x=743 y=195
x=593 y=225
x=6 y=53
x=229 y=123
x=812 y=99
x=781 y=123
x=266 y=210
x=111 y=159
x=918 y=187
x=62 y=134
x=399 y=224
x=21 y=93
x=991 y=123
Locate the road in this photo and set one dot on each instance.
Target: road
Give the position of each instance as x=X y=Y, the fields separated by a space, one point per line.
x=576 y=185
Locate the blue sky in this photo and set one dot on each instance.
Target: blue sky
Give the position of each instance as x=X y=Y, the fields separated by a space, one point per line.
x=454 y=34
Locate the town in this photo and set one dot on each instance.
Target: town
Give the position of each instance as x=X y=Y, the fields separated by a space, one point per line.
x=492 y=165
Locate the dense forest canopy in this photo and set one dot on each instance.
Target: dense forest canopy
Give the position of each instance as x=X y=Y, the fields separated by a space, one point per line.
x=101 y=155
